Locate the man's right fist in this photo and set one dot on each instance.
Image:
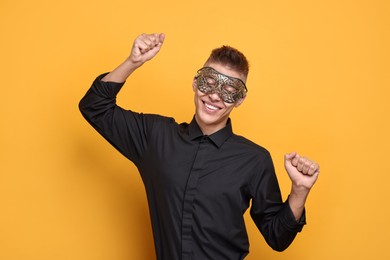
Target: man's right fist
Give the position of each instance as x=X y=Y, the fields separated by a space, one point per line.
x=145 y=47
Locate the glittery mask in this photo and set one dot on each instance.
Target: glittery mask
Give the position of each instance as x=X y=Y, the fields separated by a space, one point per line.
x=230 y=89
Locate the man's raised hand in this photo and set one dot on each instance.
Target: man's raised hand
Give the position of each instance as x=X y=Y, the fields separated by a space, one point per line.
x=145 y=47
x=303 y=172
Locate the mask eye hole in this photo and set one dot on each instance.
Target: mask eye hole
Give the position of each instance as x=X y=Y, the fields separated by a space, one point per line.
x=229 y=89
x=210 y=81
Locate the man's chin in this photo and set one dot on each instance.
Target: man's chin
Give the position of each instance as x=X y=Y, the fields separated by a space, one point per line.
x=210 y=120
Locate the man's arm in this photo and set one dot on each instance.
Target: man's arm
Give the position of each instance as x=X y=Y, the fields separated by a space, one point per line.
x=145 y=47
x=303 y=173
x=124 y=129
x=280 y=222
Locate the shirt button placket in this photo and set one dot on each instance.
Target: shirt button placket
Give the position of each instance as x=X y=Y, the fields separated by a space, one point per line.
x=189 y=197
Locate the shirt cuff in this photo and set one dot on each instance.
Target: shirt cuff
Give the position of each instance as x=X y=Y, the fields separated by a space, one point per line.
x=106 y=89
x=288 y=218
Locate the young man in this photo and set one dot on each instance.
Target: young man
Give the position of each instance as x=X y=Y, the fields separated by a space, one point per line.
x=200 y=177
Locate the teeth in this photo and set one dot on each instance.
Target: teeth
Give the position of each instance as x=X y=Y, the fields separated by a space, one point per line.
x=211 y=107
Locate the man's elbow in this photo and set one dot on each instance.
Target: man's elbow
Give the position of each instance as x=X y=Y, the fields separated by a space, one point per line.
x=279 y=248
x=280 y=245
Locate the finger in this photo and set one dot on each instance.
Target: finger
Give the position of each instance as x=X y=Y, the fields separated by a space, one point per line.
x=152 y=40
x=314 y=168
x=143 y=42
x=140 y=47
x=146 y=44
x=161 y=38
x=306 y=166
x=289 y=156
x=155 y=39
x=301 y=163
x=295 y=160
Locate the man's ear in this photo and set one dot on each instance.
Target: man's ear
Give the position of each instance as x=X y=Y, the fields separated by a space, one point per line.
x=239 y=102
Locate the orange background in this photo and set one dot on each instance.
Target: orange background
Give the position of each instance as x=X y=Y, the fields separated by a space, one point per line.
x=319 y=84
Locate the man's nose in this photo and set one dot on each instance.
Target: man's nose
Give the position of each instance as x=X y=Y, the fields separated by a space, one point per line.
x=215 y=96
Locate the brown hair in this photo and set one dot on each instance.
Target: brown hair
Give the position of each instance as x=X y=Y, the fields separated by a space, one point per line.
x=232 y=57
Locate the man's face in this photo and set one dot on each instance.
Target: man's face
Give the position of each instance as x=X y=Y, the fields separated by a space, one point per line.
x=212 y=112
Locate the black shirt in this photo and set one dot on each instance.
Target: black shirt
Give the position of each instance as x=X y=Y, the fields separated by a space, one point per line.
x=198 y=187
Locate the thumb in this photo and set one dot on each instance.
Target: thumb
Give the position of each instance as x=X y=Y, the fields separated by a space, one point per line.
x=161 y=38
x=289 y=156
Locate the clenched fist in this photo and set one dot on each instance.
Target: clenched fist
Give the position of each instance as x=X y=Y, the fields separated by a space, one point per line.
x=145 y=47
x=303 y=172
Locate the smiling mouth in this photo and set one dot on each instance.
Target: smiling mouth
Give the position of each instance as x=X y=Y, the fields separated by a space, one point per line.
x=210 y=107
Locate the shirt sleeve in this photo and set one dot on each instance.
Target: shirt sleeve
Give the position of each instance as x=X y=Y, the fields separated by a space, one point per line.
x=273 y=218
x=124 y=129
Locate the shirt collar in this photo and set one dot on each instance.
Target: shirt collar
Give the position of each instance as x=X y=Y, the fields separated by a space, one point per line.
x=218 y=138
